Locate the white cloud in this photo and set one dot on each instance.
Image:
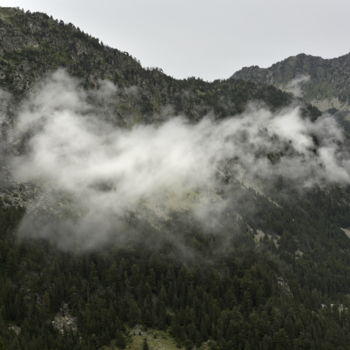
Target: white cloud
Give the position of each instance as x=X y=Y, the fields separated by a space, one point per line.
x=93 y=174
x=295 y=86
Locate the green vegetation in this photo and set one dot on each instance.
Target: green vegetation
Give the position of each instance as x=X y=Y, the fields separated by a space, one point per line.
x=289 y=289
x=35 y=44
x=251 y=296
x=152 y=339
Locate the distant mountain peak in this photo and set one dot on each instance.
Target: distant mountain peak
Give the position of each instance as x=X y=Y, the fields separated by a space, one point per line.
x=329 y=79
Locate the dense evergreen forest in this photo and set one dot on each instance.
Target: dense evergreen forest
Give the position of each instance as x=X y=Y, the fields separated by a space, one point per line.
x=276 y=277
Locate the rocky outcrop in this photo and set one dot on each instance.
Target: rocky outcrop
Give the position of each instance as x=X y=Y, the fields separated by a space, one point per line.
x=328 y=80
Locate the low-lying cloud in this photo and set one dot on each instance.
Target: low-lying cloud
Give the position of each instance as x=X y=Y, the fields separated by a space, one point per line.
x=295 y=86
x=93 y=176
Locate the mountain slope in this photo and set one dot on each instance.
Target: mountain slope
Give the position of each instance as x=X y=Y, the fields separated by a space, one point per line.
x=34 y=44
x=329 y=79
x=273 y=274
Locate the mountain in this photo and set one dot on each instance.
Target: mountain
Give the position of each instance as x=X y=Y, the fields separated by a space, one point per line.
x=323 y=82
x=250 y=250
x=34 y=44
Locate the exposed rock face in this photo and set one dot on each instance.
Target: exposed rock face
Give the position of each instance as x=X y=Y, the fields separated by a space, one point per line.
x=15 y=329
x=64 y=322
x=328 y=85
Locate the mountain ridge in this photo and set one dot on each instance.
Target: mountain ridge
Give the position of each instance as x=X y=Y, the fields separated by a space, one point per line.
x=270 y=273
x=328 y=84
x=23 y=61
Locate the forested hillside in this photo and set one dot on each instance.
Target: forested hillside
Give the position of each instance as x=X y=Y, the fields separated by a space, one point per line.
x=269 y=270
x=33 y=44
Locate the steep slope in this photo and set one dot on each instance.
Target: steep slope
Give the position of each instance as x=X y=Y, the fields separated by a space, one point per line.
x=34 y=44
x=326 y=83
x=274 y=274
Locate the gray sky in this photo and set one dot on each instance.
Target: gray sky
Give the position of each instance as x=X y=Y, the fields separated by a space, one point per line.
x=206 y=38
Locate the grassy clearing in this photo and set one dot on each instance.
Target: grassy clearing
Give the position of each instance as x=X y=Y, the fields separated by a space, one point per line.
x=156 y=340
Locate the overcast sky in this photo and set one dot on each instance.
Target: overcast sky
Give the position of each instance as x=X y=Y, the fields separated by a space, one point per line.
x=210 y=39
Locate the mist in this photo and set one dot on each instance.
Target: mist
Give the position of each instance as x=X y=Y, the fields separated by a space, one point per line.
x=295 y=86
x=96 y=179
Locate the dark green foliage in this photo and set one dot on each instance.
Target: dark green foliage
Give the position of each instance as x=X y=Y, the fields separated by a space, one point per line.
x=289 y=291
x=253 y=297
